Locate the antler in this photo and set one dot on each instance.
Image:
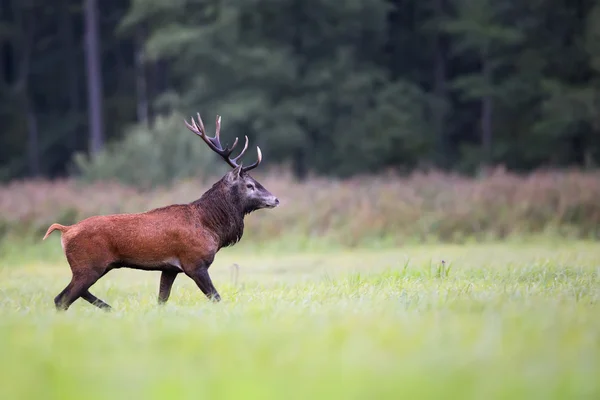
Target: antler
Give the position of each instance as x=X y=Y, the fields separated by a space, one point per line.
x=215 y=143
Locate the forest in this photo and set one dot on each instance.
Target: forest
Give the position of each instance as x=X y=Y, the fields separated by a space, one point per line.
x=337 y=88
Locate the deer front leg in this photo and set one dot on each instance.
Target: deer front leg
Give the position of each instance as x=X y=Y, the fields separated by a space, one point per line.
x=202 y=279
x=166 y=283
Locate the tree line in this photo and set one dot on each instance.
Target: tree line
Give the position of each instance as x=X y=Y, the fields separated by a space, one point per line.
x=334 y=87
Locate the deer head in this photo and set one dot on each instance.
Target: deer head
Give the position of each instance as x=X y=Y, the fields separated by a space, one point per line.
x=239 y=185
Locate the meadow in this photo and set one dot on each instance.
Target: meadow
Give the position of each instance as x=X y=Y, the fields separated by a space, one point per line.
x=497 y=320
x=335 y=308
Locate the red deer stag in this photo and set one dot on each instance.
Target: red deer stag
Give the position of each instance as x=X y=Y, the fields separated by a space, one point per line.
x=172 y=239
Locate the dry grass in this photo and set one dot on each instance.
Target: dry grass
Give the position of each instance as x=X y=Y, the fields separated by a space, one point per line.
x=423 y=206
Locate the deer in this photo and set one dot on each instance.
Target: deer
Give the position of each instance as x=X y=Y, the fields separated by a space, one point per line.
x=175 y=239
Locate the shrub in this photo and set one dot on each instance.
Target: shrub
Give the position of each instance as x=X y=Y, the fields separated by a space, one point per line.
x=147 y=157
x=348 y=212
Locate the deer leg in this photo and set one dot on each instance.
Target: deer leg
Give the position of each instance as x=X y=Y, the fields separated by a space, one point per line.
x=202 y=279
x=77 y=287
x=90 y=298
x=59 y=299
x=166 y=283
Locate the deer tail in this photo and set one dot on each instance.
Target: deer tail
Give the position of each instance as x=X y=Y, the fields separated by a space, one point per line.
x=54 y=227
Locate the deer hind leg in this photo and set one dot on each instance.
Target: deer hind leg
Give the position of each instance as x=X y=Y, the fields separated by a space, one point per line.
x=90 y=298
x=82 y=280
x=59 y=300
x=79 y=285
x=167 y=278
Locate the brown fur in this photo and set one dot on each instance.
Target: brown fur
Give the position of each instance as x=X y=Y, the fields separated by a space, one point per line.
x=181 y=238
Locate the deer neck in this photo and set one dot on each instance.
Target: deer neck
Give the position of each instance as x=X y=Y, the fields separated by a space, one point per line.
x=222 y=213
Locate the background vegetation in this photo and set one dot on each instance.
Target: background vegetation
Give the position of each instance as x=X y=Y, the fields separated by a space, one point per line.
x=403 y=119
x=333 y=87
x=363 y=211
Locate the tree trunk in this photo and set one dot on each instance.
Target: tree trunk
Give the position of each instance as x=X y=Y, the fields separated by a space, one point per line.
x=24 y=44
x=157 y=83
x=71 y=72
x=140 y=78
x=440 y=88
x=33 y=146
x=300 y=162
x=486 y=116
x=94 y=76
x=5 y=48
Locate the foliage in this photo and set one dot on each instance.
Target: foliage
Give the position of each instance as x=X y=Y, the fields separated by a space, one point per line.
x=393 y=210
x=333 y=87
x=147 y=157
x=506 y=321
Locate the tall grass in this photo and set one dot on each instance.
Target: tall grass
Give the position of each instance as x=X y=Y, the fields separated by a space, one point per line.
x=499 y=321
x=423 y=206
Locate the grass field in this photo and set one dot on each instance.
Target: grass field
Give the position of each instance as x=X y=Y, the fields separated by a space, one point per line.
x=518 y=320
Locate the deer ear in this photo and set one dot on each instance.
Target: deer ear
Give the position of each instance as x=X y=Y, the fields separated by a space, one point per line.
x=235 y=173
x=238 y=171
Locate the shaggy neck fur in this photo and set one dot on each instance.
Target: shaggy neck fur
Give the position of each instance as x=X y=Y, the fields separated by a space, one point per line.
x=222 y=211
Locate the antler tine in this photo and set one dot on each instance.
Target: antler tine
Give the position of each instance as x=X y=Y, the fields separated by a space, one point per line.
x=242 y=152
x=201 y=129
x=218 y=128
x=252 y=166
x=227 y=150
x=213 y=140
x=235 y=142
x=200 y=132
x=192 y=127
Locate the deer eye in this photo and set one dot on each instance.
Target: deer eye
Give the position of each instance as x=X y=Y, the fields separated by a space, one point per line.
x=250 y=186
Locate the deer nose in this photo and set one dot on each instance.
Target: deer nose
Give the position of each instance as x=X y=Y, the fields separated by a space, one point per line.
x=273 y=202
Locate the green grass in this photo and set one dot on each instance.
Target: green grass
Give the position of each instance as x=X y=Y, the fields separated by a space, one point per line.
x=519 y=320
